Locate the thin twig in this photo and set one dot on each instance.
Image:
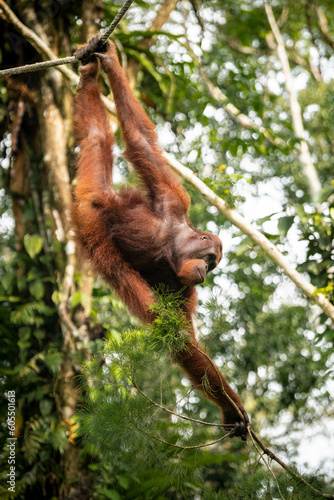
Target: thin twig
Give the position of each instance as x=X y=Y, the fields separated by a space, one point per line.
x=259 y=459
x=164 y=408
x=230 y=400
x=188 y=447
x=194 y=447
x=288 y=469
x=267 y=465
x=249 y=459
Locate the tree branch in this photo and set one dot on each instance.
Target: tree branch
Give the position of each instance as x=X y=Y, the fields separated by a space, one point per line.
x=291 y=472
x=160 y=19
x=256 y=236
x=231 y=109
x=293 y=57
x=324 y=26
x=297 y=121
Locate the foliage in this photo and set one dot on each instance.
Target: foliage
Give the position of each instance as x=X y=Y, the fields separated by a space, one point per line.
x=115 y=418
x=119 y=413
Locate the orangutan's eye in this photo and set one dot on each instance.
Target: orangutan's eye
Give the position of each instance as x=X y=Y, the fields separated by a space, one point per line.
x=204 y=237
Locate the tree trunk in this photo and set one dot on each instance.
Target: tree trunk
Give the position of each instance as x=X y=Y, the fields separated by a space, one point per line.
x=42 y=104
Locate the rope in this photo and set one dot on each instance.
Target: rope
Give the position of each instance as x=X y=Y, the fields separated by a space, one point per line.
x=67 y=60
x=116 y=21
x=37 y=66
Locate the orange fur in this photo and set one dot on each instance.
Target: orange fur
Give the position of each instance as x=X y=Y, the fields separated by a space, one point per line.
x=137 y=240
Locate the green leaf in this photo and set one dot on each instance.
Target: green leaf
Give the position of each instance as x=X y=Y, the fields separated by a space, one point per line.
x=33 y=274
x=39 y=334
x=11 y=298
x=53 y=361
x=149 y=66
x=59 y=439
x=123 y=481
x=284 y=224
x=7 y=281
x=45 y=407
x=24 y=334
x=23 y=345
x=56 y=297
x=265 y=219
x=325 y=193
x=29 y=313
x=113 y=494
x=33 y=244
x=78 y=298
x=36 y=288
x=93 y=466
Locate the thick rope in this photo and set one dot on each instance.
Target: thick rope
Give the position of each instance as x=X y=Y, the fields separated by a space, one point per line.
x=67 y=60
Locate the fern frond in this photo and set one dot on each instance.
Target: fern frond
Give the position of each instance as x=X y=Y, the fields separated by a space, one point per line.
x=26 y=313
